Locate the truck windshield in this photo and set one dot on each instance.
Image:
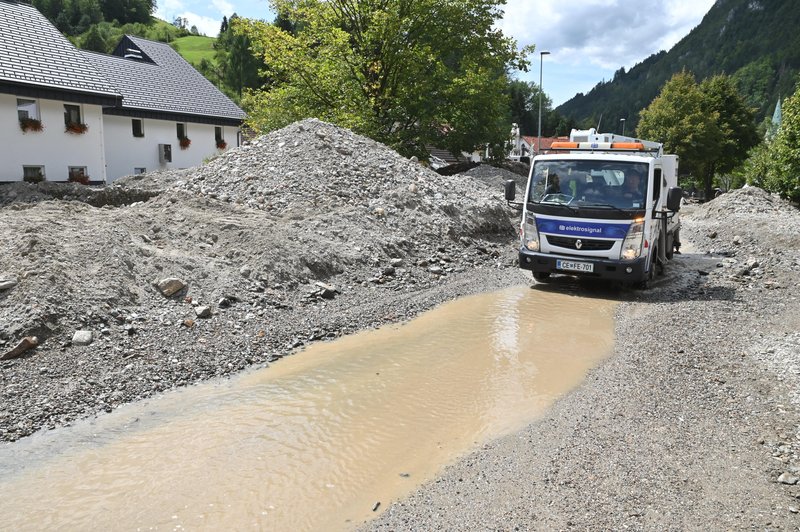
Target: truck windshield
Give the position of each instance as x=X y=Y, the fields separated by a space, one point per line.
x=586 y=183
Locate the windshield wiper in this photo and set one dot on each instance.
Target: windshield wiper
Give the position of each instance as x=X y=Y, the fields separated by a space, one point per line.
x=607 y=206
x=572 y=208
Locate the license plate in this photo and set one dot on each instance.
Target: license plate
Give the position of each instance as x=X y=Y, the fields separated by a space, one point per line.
x=575 y=266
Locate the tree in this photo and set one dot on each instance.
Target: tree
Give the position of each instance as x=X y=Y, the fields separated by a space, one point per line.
x=407 y=73
x=680 y=118
x=779 y=171
x=238 y=68
x=525 y=108
x=736 y=124
x=94 y=41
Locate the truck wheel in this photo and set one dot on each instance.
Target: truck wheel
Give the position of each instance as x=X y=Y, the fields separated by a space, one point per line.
x=644 y=284
x=541 y=277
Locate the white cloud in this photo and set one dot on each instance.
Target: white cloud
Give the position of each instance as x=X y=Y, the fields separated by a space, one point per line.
x=606 y=33
x=224 y=7
x=205 y=25
x=167 y=8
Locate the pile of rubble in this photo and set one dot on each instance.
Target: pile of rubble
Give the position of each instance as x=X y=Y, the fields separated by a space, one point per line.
x=308 y=232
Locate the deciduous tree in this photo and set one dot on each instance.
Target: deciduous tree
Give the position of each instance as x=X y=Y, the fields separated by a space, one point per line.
x=783 y=160
x=404 y=72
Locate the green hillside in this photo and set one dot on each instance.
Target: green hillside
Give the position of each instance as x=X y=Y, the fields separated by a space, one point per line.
x=755 y=42
x=195 y=48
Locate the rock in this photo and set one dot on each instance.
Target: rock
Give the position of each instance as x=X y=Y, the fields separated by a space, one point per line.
x=327 y=291
x=788 y=478
x=6 y=284
x=82 y=337
x=203 y=311
x=26 y=344
x=737 y=240
x=170 y=286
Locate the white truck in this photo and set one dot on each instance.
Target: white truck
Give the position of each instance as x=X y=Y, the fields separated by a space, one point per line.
x=600 y=205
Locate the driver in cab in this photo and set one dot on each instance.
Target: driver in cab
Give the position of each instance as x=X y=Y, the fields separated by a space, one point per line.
x=554 y=186
x=632 y=187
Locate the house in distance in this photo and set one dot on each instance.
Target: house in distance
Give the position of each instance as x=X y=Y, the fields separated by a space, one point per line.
x=68 y=114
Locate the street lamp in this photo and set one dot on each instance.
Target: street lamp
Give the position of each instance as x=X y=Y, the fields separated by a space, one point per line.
x=623 y=126
x=539 y=138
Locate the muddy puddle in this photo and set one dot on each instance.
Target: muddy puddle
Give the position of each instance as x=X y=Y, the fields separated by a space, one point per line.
x=319 y=439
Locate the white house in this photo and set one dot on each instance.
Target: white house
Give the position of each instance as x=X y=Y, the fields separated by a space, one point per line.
x=66 y=112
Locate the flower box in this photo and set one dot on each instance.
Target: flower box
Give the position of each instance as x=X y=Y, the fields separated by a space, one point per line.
x=30 y=124
x=76 y=128
x=79 y=177
x=185 y=142
x=221 y=144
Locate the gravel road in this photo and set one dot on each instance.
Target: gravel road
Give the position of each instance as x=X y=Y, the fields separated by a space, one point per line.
x=692 y=424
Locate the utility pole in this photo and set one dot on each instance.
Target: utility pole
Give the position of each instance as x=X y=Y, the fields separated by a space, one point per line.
x=539 y=138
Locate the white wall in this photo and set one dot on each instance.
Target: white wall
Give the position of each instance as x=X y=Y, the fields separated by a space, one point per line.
x=124 y=152
x=52 y=148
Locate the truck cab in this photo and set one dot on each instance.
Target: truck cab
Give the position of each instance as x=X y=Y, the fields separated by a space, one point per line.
x=600 y=205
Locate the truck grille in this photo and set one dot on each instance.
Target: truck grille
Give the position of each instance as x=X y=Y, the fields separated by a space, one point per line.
x=586 y=243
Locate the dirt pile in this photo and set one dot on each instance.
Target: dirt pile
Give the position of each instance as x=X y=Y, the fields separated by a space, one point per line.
x=304 y=234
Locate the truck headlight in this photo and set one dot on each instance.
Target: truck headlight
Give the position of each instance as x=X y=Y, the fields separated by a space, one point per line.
x=530 y=235
x=632 y=245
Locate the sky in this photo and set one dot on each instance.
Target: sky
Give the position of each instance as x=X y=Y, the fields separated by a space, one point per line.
x=588 y=40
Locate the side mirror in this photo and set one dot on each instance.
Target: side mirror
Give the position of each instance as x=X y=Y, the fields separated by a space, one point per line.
x=510 y=190
x=674 y=198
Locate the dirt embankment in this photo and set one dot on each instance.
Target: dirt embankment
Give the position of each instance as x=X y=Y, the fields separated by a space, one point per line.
x=304 y=234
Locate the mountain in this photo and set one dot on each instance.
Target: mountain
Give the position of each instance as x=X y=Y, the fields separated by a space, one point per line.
x=756 y=42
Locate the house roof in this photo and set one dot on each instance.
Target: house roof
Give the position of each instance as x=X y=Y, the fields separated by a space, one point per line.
x=33 y=53
x=155 y=78
x=547 y=142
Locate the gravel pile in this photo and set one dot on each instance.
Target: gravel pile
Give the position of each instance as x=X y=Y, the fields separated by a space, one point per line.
x=305 y=234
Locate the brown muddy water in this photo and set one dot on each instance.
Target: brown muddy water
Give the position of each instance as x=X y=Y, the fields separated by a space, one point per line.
x=317 y=440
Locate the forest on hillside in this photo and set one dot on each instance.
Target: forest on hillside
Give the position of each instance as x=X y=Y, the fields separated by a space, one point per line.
x=754 y=42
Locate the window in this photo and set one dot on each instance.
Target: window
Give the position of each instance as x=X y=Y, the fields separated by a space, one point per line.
x=33 y=174
x=219 y=140
x=27 y=109
x=139 y=170
x=138 y=127
x=181 y=130
x=78 y=174
x=72 y=114
x=657 y=183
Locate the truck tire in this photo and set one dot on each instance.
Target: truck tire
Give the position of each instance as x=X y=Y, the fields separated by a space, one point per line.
x=644 y=284
x=541 y=277
x=670 y=245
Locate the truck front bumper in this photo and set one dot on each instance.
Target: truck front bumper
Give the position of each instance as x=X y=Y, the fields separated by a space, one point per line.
x=616 y=270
